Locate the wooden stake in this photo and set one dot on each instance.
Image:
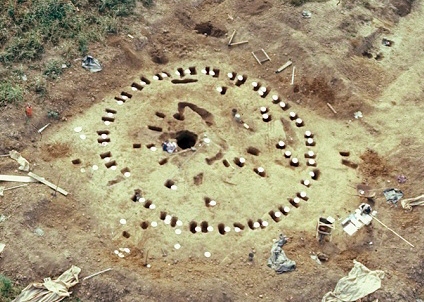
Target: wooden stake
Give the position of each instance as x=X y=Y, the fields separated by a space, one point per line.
x=238 y=43
x=47 y=183
x=95 y=274
x=393 y=232
x=253 y=53
x=331 y=107
x=269 y=59
x=57 y=186
x=43 y=128
x=287 y=64
x=231 y=38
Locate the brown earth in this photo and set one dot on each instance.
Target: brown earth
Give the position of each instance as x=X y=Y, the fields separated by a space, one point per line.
x=339 y=59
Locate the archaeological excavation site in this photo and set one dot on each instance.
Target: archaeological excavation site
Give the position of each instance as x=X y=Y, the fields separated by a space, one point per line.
x=222 y=151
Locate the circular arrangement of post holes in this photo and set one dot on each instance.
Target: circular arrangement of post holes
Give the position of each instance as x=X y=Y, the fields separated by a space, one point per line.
x=185 y=76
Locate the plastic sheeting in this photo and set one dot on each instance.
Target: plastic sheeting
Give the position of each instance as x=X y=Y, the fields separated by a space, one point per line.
x=91 y=64
x=360 y=282
x=278 y=260
x=393 y=195
x=50 y=290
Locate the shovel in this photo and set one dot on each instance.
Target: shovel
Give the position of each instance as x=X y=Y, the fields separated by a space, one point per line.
x=2 y=189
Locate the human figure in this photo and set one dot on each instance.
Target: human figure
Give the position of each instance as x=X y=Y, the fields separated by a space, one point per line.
x=28 y=112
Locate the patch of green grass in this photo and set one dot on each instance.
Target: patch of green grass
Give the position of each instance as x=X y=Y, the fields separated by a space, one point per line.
x=117 y=7
x=10 y=94
x=7 y=289
x=5 y=286
x=40 y=86
x=23 y=48
x=53 y=69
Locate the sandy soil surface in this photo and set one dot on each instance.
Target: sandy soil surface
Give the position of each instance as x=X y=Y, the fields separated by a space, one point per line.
x=139 y=101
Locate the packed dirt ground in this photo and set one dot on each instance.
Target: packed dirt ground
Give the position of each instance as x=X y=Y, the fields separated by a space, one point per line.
x=339 y=59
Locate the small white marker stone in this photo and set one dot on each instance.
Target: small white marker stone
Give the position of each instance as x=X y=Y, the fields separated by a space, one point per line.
x=83 y=136
x=212 y=203
x=154 y=224
x=264 y=223
x=107 y=123
x=207 y=254
x=179 y=223
x=256 y=224
x=153 y=148
x=104 y=136
x=177 y=246
x=123 y=221
x=237 y=229
x=119 y=102
x=127 y=174
x=110 y=114
x=78 y=129
x=177 y=231
x=198 y=229
x=210 y=228
x=174 y=187
x=95 y=167
x=227 y=229
x=152 y=206
x=113 y=168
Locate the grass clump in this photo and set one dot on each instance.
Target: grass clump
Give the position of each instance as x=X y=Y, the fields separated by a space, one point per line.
x=7 y=290
x=53 y=69
x=10 y=93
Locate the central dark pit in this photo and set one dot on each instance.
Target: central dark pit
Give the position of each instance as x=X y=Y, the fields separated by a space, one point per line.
x=186 y=139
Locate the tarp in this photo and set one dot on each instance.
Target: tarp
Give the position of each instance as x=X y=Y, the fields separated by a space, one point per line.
x=50 y=290
x=360 y=282
x=278 y=260
x=91 y=64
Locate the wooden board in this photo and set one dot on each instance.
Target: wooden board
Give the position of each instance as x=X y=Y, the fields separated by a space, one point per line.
x=17 y=178
x=48 y=183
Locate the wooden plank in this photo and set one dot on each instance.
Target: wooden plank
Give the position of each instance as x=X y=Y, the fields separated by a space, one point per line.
x=17 y=178
x=47 y=183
